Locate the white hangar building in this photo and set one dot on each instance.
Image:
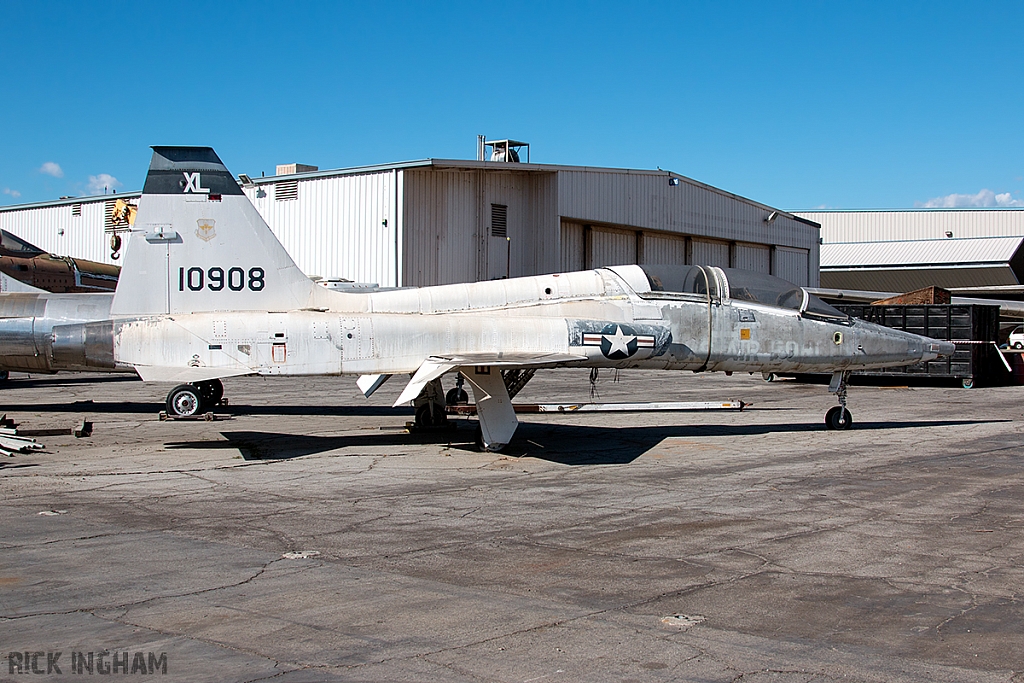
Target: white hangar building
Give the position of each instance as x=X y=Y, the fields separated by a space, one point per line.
x=443 y=221
x=904 y=250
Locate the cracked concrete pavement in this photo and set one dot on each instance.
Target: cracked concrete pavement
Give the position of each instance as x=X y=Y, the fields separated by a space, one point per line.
x=892 y=552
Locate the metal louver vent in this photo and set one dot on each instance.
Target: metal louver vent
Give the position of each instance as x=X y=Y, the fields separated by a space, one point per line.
x=76 y=209
x=286 y=189
x=108 y=215
x=499 y=220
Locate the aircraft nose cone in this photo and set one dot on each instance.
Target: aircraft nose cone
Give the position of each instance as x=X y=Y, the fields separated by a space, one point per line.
x=945 y=348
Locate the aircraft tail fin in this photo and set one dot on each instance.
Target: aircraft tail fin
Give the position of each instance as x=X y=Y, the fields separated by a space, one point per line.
x=199 y=245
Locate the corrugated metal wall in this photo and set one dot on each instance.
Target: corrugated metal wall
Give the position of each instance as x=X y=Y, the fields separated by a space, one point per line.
x=573 y=249
x=876 y=226
x=448 y=226
x=710 y=253
x=755 y=257
x=909 y=279
x=338 y=226
x=792 y=265
x=663 y=249
x=55 y=229
x=611 y=247
x=646 y=200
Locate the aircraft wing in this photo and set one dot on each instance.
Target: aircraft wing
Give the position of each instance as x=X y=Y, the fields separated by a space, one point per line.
x=513 y=360
x=435 y=366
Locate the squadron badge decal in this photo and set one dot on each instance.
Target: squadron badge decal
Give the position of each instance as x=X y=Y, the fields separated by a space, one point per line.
x=205 y=231
x=618 y=341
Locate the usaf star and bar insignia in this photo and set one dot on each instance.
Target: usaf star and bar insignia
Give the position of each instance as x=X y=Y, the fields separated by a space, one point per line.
x=618 y=341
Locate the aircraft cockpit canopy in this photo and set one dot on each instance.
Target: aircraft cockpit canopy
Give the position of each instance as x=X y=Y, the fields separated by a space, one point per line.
x=15 y=246
x=740 y=285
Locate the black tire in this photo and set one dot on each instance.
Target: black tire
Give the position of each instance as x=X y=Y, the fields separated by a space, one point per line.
x=212 y=392
x=769 y=377
x=967 y=382
x=1018 y=345
x=456 y=396
x=4 y=375
x=425 y=419
x=838 y=418
x=185 y=400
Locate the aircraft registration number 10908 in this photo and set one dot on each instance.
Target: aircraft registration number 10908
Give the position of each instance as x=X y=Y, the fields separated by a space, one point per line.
x=216 y=279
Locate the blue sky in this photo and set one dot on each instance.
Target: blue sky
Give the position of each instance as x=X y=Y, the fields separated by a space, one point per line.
x=798 y=105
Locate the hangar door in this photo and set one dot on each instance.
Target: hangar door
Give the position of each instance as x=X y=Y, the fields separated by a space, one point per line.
x=611 y=247
x=710 y=253
x=585 y=246
x=754 y=257
x=663 y=249
x=792 y=264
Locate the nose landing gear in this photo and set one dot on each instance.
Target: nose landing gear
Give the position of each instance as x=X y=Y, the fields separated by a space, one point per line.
x=838 y=417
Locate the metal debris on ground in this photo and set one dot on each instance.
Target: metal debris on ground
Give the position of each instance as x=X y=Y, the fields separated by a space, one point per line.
x=11 y=443
x=204 y=417
x=301 y=554
x=82 y=429
x=683 y=621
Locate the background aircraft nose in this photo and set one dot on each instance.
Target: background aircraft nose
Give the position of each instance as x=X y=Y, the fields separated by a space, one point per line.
x=946 y=348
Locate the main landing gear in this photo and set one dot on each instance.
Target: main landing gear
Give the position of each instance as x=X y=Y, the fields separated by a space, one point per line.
x=838 y=417
x=189 y=400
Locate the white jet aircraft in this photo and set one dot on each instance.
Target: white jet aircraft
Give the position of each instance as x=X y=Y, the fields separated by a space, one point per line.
x=206 y=291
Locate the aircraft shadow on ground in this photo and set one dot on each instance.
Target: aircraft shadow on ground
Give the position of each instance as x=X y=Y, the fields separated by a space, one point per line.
x=49 y=382
x=135 y=407
x=563 y=444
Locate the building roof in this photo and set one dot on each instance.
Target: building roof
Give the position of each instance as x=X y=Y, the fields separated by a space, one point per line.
x=464 y=164
x=920 y=253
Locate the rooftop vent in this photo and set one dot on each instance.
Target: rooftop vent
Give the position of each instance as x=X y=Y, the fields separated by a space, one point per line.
x=501 y=150
x=291 y=169
x=285 y=190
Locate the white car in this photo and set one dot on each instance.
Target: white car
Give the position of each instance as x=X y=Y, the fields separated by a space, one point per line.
x=1017 y=337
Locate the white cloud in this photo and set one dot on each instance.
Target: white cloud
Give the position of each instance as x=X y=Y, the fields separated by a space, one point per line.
x=984 y=198
x=52 y=168
x=102 y=183
x=13 y=193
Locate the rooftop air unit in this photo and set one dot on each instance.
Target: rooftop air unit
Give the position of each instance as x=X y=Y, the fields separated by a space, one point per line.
x=501 y=150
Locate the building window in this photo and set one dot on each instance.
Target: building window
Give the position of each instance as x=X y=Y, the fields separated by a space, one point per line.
x=499 y=220
x=286 y=189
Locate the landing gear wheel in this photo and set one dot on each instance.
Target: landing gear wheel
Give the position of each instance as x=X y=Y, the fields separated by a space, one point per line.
x=838 y=417
x=185 y=400
x=967 y=382
x=427 y=418
x=769 y=377
x=456 y=396
x=4 y=375
x=212 y=392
